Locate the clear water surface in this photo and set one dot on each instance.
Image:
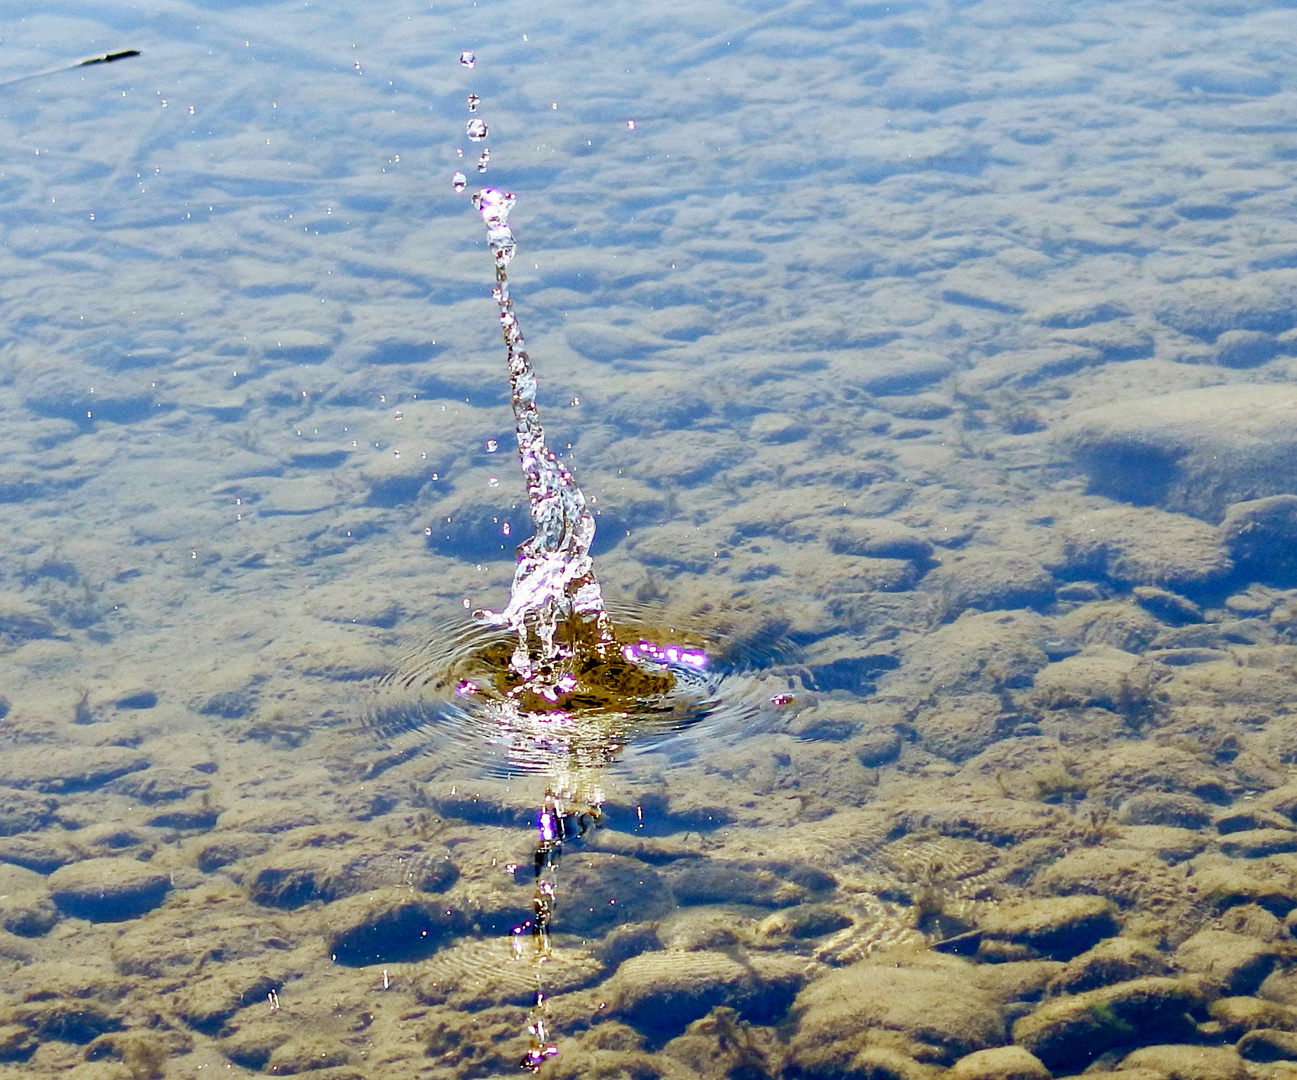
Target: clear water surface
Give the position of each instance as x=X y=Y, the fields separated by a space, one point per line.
x=839 y=311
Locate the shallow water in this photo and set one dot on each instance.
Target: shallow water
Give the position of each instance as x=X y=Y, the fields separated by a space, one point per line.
x=928 y=356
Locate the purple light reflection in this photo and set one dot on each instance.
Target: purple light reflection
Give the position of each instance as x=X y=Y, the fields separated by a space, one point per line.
x=671 y=655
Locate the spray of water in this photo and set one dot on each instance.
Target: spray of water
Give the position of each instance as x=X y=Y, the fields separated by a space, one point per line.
x=570 y=684
x=555 y=606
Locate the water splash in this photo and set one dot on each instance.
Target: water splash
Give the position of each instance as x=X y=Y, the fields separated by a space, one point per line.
x=549 y=676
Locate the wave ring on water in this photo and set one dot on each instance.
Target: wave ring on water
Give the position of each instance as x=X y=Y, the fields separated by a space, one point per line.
x=459 y=693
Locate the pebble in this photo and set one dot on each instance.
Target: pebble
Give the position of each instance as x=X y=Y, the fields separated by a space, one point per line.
x=109 y=889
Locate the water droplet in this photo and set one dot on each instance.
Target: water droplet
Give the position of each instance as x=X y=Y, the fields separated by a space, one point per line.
x=164 y=103
x=506 y=528
x=494 y=206
x=467 y=59
x=473 y=102
x=459 y=182
x=630 y=125
x=493 y=481
x=191 y=110
x=477 y=129
x=484 y=160
x=492 y=446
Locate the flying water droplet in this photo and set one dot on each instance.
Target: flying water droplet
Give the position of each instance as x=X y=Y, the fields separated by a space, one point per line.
x=459 y=182
x=484 y=161
x=477 y=129
x=473 y=102
x=467 y=59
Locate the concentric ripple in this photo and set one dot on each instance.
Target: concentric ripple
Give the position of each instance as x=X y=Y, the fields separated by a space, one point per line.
x=458 y=697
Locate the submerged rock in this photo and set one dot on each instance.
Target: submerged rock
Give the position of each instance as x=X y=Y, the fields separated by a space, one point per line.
x=999 y=1063
x=1144 y=546
x=1235 y=963
x=389 y=926
x=1261 y=535
x=1181 y=1062
x=108 y=889
x=937 y=1013
x=1057 y=927
x=1193 y=451
x=1116 y=960
x=662 y=992
x=1067 y=1034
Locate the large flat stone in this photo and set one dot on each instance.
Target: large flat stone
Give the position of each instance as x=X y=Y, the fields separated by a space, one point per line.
x=1193 y=451
x=108 y=889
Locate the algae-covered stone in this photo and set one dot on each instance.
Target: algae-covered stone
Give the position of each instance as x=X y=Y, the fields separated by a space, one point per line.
x=1261 y=535
x=1194 y=451
x=1143 y=546
x=1067 y=1034
x=207 y=1003
x=1255 y=843
x=721 y=1044
x=289 y=878
x=999 y=1063
x=716 y=882
x=1236 y=963
x=305 y=1053
x=940 y=1009
x=1180 y=1062
x=1239 y=1015
x=27 y=913
x=1110 y=962
x=24 y=811
x=1267 y=1044
x=1224 y=883
x=252 y=1043
x=1100 y=676
x=70 y=769
x=602 y=891
x=661 y=992
x=108 y=889
x=991 y=580
x=1164 y=808
x=389 y=926
x=1059 y=927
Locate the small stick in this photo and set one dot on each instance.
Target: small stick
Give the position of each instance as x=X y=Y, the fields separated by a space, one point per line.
x=107 y=58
